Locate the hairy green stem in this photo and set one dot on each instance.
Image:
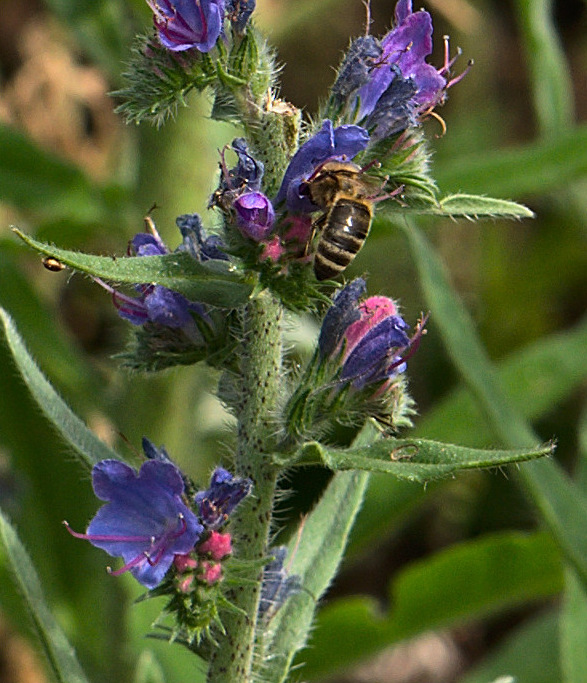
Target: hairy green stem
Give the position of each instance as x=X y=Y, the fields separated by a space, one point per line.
x=232 y=661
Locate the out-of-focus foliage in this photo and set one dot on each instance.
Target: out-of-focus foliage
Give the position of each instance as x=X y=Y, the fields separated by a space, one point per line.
x=72 y=174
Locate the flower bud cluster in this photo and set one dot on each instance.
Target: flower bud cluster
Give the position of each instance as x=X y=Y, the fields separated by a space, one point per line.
x=357 y=369
x=170 y=329
x=173 y=542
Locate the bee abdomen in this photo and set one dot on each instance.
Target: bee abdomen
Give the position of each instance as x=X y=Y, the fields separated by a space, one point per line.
x=345 y=230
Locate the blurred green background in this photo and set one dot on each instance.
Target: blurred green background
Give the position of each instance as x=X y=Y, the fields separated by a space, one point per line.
x=72 y=173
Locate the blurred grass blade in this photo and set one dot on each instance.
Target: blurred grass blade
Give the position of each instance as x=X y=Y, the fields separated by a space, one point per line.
x=536 y=168
x=213 y=282
x=34 y=179
x=550 y=76
x=561 y=504
x=527 y=654
x=418 y=460
x=462 y=583
x=148 y=669
x=315 y=558
x=539 y=377
x=87 y=445
x=573 y=621
x=57 y=649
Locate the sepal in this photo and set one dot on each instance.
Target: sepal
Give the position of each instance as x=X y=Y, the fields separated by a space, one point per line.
x=158 y=80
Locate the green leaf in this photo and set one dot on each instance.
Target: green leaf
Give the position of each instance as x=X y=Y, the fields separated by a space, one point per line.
x=34 y=179
x=87 y=445
x=527 y=654
x=57 y=649
x=475 y=206
x=415 y=459
x=214 y=282
x=560 y=502
x=539 y=377
x=573 y=626
x=465 y=582
x=316 y=558
x=536 y=168
x=551 y=81
x=148 y=669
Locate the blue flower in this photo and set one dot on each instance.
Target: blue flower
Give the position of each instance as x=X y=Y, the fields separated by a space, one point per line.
x=144 y=521
x=187 y=24
x=225 y=493
x=387 y=84
x=254 y=215
x=277 y=585
x=369 y=339
x=239 y=13
x=329 y=143
x=158 y=304
x=246 y=176
x=343 y=312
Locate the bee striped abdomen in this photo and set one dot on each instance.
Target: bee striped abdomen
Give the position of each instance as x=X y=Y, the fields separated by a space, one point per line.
x=345 y=228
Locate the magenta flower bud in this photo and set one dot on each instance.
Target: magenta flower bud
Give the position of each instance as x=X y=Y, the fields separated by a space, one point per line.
x=255 y=215
x=218 y=546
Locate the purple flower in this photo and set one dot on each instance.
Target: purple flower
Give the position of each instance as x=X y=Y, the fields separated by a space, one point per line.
x=387 y=84
x=224 y=494
x=157 y=304
x=371 y=336
x=195 y=241
x=254 y=215
x=329 y=143
x=144 y=521
x=343 y=312
x=277 y=585
x=239 y=12
x=362 y=57
x=186 y=24
x=246 y=176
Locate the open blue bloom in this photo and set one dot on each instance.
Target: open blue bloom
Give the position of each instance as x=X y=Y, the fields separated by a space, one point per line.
x=225 y=493
x=144 y=521
x=387 y=84
x=329 y=143
x=186 y=24
x=277 y=585
x=254 y=215
x=239 y=13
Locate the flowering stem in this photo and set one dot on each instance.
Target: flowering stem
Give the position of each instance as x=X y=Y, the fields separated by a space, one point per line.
x=232 y=661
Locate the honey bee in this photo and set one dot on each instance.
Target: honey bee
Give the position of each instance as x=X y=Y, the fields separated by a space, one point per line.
x=345 y=194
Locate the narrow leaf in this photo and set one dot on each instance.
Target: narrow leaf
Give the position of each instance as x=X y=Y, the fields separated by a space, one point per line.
x=561 y=504
x=87 y=445
x=475 y=206
x=32 y=178
x=315 y=559
x=551 y=81
x=536 y=168
x=214 y=282
x=59 y=652
x=417 y=460
x=462 y=583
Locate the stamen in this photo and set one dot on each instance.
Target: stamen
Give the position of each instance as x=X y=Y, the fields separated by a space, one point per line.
x=107 y=537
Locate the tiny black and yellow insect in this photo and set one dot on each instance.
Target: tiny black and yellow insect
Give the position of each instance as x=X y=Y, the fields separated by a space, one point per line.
x=53 y=264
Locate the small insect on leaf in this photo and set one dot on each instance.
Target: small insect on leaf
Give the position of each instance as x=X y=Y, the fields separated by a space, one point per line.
x=53 y=264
